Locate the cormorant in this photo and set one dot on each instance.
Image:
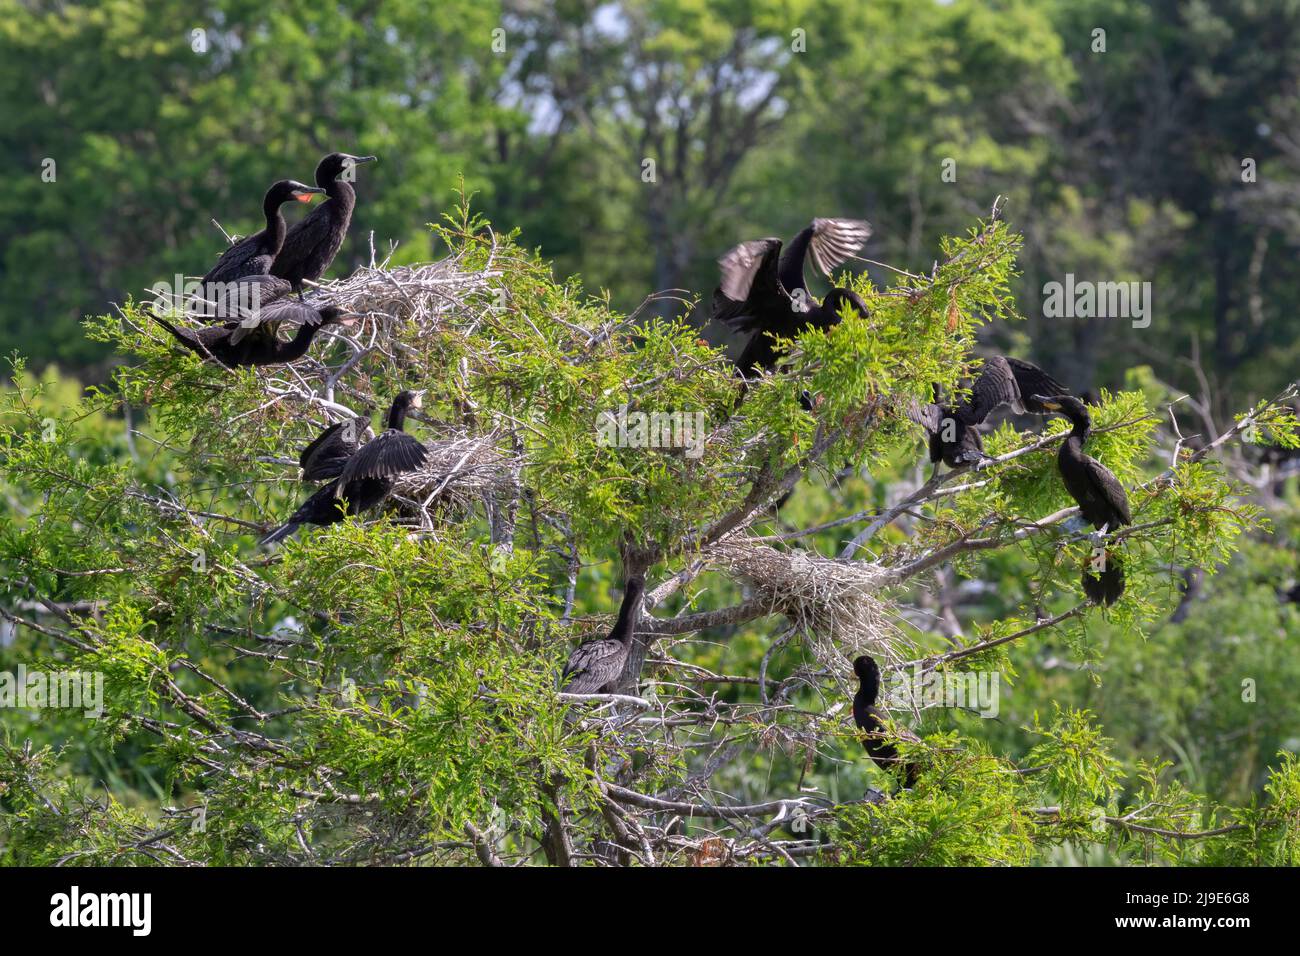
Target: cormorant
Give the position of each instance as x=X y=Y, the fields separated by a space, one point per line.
x=249 y=343
x=954 y=429
x=879 y=741
x=1101 y=498
x=763 y=290
x=366 y=477
x=312 y=244
x=594 y=666
x=253 y=255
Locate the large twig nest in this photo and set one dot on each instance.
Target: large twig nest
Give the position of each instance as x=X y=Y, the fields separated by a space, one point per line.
x=426 y=293
x=833 y=603
x=458 y=471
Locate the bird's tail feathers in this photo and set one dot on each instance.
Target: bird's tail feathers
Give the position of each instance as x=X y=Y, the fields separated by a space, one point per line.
x=280 y=533
x=1107 y=585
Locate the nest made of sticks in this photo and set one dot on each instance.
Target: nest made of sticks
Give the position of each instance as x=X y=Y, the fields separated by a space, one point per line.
x=458 y=471
x=427 y=294
x=833 y=603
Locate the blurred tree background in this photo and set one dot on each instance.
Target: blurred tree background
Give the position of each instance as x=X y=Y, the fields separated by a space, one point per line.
x=632 y=143
x=1122 y=163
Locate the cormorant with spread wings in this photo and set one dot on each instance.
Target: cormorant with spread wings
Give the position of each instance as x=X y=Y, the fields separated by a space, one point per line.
x=253 y=338
x=763 y=292
x=366 y=476
x=954 y=429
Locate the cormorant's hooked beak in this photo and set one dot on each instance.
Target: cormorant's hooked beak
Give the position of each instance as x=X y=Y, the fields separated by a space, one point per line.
x=306 y=193
x=1048 y=402
x=417 y=398
x=358 y=160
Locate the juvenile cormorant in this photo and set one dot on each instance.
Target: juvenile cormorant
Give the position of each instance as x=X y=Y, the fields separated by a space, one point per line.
x=879 y=740
x=594 y=666
x=311 y=245
x=366 y=477
x=253 y=255
x=1101 y=498
x=763 y=292
x=239 y=344
x=954 y=429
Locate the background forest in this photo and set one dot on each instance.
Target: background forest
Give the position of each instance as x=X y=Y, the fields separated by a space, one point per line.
x=1164 y=150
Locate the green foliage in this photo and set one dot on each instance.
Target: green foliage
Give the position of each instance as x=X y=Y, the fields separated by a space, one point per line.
x=384 y=690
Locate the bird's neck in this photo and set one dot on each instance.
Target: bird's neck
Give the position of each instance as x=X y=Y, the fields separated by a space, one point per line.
x=297 y=346
x=1072 y=447
x=627 y=613
x=341 y=191
x=1080 y=430
x=275 y=229
x=790 y=267
x=868 y=691
x=397 y=417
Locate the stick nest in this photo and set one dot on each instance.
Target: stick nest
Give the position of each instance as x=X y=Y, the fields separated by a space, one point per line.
x=427 y=294
x=458 y=471
x=833 y=603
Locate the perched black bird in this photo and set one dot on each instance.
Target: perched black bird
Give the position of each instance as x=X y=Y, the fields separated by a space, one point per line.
x=367 y=476
x=312 y=244
x=1101 y=498
x=954 y=429
x=879 y=741
x=594 y=666
x=254 y=341
x=253 y=255
x=763 y=292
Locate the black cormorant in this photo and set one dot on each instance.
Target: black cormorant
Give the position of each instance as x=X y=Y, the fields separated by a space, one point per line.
x=366 y=477
x=594 y=666
x=311 y=245
x=1101 y=498
x=254 y=341
x=253 y=255
x=954 y=429
x=879 y=740
x=763 y=292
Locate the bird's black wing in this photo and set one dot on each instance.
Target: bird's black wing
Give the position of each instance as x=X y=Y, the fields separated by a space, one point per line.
x=995 y=386
x=325 y=457
x=291 y=310
x=390 y=454
x=927 y=416
x=263 y=302
x=726 y=310
x=749 y=276
x=592 y=665
x=1107 y=486
x=241 y=259
x=1032 y=380
x=834 y=240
